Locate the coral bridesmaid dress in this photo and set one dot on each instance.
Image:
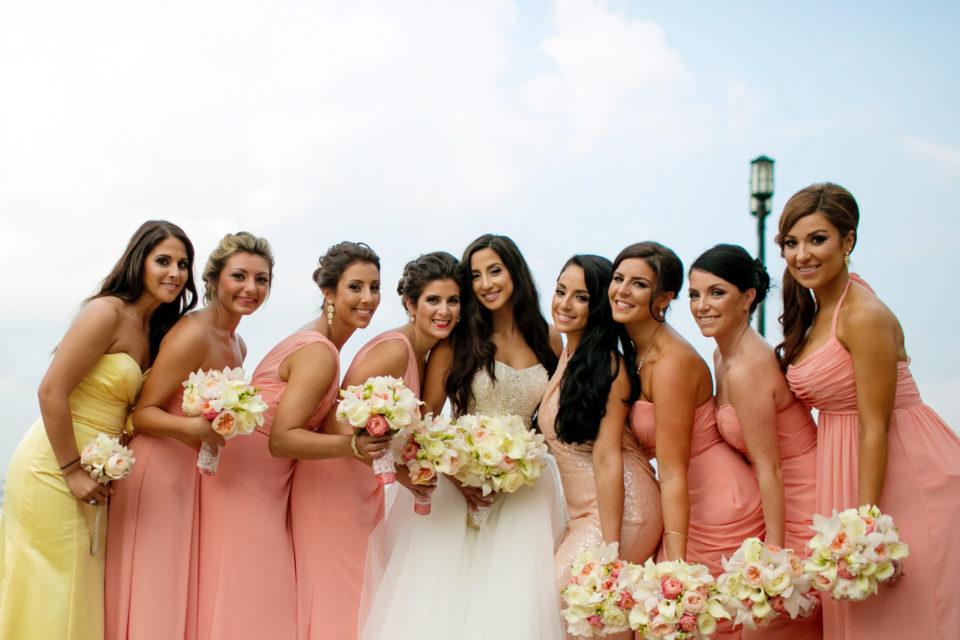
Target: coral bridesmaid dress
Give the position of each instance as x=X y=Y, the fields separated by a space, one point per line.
x=245 y=541
x=50 y=584
x=642 y=522
x=797 y=440
x=921 y=491
x=152 y=541
x=725 y=504
x=335 y=504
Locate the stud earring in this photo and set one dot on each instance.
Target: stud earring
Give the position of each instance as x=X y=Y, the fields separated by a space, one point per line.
x=329 y=315
x=846 y=259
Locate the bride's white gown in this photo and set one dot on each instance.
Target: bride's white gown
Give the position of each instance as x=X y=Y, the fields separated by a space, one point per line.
x=432 y=577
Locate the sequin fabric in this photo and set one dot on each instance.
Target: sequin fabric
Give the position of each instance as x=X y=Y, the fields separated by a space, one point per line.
x=515 y=391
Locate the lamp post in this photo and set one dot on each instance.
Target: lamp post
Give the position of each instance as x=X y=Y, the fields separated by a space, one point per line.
x=761 y=190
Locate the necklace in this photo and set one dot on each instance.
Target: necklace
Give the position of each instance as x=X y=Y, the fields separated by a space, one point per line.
x=649 y=346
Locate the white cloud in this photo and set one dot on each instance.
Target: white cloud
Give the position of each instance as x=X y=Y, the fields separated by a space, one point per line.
x=613 y=75
x=945 y=157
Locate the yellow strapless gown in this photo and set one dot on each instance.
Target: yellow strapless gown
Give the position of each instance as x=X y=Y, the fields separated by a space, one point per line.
x=50 y=585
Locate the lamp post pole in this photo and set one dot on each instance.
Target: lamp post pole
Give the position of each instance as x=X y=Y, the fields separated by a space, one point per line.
x=761 y=190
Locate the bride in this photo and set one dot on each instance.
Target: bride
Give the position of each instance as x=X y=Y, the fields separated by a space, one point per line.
x=441 y=578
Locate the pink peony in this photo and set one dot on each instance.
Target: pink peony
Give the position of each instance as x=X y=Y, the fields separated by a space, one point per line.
x=776 y=603
x=843 y=571
x=409 y=452
x=670 y=587
x=377 y=425
x=694 y=602
x=595 y=621
x=687 y=622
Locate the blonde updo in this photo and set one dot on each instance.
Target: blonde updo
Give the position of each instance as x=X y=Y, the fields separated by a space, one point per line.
x=230 y=245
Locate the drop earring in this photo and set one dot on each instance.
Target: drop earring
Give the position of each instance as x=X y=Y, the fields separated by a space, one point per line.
x=846 y=259
x=329 y=315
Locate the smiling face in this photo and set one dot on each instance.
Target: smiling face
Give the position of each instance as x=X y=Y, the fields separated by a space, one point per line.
x=438 y=308
x=718 y=307
x=814 y=249
x=631 y=288
x=490 y=280
x=357 y=295
x=571 y=301
x=244 y=283
x=166 y=269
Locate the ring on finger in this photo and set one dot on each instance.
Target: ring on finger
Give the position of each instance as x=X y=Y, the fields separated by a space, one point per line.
x=92 y=501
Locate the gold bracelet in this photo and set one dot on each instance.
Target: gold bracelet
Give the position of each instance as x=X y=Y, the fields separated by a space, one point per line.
x=676 y=533
x=353 y=445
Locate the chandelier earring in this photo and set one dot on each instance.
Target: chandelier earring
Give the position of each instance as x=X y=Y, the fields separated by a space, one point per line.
x=329 y=315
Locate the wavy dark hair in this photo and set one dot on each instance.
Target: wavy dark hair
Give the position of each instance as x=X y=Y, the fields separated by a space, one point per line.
x=732 y=263
x=665 y=264
x=417 y=274
x=473 y=349
x=840 y=208
x=586 y=382
x=125 y=280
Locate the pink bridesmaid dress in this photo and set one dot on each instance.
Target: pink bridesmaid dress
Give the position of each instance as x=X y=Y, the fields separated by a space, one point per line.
x=335 y=504
x=797 y=440
x=245 y=541
x=150 y=587
x=725 y=504
x=642 y=523
x=921 y=492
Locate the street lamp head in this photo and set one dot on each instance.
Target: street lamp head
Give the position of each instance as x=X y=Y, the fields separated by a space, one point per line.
x=761 y=178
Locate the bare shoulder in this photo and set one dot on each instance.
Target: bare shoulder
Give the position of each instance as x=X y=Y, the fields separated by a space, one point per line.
x=755 y=369
x=864 y=317
x=188 y=333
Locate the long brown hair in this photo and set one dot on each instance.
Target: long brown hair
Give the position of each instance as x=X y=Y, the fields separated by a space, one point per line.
x=126 y=278
x=799 y=308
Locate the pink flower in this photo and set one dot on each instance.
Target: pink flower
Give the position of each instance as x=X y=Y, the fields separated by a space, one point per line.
x=423 y=475
x=694 y=602
x=409 y=452
x=687 y=622
x=659 y=627
x=843 y=571
x=226 y=424
x=377 y=425
x=670 y=587
x=208 y=412
x=776 y=603
x=754 y=574
x=841 y=544
x=595 y=621
x=822 y=582
x=626 y=601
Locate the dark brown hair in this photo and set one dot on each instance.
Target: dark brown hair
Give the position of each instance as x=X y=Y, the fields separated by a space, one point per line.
x=417 y=274
x=665 y=264
x=125 y=280
x=839 y=207
x=340 y=256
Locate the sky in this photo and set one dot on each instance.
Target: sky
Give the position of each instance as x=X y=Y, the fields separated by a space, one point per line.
x=573 y=126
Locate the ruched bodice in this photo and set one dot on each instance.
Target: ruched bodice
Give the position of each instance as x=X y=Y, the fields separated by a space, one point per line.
x=825 y=380
x=796 y=432
x=102 y=400
x=703 y=435
x=515 y=391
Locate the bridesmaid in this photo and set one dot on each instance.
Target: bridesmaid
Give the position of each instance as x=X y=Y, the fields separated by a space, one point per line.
x=430 y=294
x=844 y=354
x=51 y=586
x=757 y=414
x=251 y=489
x=334 y=500
x=152 y=544
x=611 y=493
x=708 y=505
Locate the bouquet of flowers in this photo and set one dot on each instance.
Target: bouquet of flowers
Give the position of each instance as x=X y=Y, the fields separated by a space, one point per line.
x=229 y=401
x=432 y=447
x=597 y=598
x=499 y=455
x=673 y=600
x=105 y=459
x=380 y=406
x=853 y=552
x=761 y=582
